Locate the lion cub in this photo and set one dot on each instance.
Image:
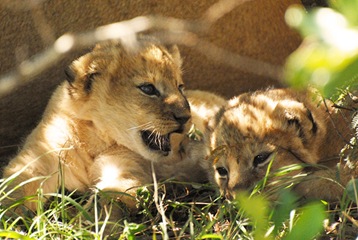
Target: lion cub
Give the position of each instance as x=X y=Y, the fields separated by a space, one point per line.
x=118 y=112
x=279 y=127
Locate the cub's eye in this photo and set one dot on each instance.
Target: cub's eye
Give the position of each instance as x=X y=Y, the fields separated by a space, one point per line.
x=261 y=159
x=222 y=171
x=181 y=88
x=149 y=89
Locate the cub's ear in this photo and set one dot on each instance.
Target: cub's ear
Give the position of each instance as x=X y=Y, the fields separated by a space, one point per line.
x=76 y=69
x=298 y=116
x=81 y=73
x=174 y=51
x=70 y=74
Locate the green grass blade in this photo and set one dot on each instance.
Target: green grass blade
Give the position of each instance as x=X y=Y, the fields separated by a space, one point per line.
x=14 y=235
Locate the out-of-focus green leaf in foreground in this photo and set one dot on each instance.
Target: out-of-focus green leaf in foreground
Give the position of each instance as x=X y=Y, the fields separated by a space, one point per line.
x=328 y=56
x=309 y=223
x=352 y=190
x=305 y=222
x=257 y=209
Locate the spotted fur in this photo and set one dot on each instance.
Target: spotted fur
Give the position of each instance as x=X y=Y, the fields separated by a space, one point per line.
x=284 y=127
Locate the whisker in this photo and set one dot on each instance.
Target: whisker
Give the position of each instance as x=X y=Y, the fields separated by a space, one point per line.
x=158 y=140
x=153 y=132
x=145 y=126
x=150 y=127
x=155 y=138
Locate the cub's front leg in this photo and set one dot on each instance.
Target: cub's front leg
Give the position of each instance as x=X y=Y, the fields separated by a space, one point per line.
x=36 y=169
x=24 y=178
x=118 y=173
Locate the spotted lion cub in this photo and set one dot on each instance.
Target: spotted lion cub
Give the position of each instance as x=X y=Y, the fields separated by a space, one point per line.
x=118 y=112
x=278 y=128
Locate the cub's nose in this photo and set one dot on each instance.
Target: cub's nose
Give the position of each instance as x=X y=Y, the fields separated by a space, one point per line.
x=182 y=119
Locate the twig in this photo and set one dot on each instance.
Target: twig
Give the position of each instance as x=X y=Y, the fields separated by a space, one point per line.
x=354 y=221
x=342 y=107
x=175 y=31
x=30 y=68
x=334 y=124
x=159 y=205
x=219 y=9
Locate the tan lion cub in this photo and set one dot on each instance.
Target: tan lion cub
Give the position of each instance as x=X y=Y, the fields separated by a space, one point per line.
x=117 y=112
x=285 y=127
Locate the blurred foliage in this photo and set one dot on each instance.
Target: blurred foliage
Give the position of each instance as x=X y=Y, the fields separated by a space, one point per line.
x=352 y=190
x=289 y=222
x=328 y=55
x=328 y=60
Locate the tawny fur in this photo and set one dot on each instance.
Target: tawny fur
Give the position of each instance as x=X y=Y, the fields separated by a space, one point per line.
x=91 y=129
x=287 y=127
x=27 y=31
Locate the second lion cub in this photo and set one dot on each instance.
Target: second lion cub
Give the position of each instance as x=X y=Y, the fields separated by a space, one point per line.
x=280 y=127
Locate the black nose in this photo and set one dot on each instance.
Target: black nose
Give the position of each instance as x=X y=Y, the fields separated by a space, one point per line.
x=182 y=119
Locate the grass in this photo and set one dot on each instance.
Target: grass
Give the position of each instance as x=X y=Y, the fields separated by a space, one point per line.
x=175 y=210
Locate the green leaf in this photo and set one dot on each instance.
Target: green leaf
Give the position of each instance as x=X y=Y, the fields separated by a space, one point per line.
x=14 y=235
x=328 y=56
x=195 y=134
x=343 y=78
x=348 y=8
x=131 y=229
x=309 y=223
x=256 y=208
x=287 y=201
x=352 y=190
x=212 y=236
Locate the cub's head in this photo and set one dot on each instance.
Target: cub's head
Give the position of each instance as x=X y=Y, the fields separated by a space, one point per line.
x=134 y=98
x=255 y=128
